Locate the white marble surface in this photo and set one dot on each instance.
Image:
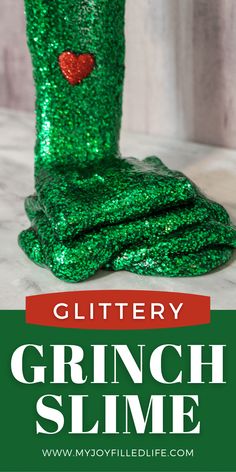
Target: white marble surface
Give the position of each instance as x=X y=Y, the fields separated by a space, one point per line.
x=213 y=169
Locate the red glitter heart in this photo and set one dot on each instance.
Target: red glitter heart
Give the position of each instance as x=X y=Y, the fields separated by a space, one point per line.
x=76 y=67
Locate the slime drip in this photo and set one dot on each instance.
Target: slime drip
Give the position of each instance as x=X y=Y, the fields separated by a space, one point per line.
x=92 y=208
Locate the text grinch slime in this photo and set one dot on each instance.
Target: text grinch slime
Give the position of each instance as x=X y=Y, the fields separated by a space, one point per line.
x=118 y=414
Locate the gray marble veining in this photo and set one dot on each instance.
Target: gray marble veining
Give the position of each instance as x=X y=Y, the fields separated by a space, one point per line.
x=213 y=169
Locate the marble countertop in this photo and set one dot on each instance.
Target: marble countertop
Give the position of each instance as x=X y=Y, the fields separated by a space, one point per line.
x=213 y=169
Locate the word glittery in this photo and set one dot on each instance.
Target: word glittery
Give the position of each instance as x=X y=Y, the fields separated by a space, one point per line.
x=92 y=208
x=104 y=311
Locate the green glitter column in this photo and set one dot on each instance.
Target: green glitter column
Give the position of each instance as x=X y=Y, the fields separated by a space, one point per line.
x=81 y=122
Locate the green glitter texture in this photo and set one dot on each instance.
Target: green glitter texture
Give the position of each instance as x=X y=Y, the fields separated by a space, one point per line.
x=76 y=124
x=93 y=209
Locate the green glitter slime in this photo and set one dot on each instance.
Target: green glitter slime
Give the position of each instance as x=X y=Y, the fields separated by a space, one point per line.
x=93 y=209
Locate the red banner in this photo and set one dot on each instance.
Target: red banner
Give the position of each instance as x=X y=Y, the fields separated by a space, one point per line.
x=118 y=309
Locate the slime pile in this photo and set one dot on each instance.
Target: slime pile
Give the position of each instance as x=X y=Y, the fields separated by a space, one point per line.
x=92 y=208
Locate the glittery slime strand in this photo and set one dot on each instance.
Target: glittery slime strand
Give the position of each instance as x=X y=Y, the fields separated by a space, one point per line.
x=81 y=123
x=92 y=208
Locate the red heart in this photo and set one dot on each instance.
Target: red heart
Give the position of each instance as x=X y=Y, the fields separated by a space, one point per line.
x=76 y=67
